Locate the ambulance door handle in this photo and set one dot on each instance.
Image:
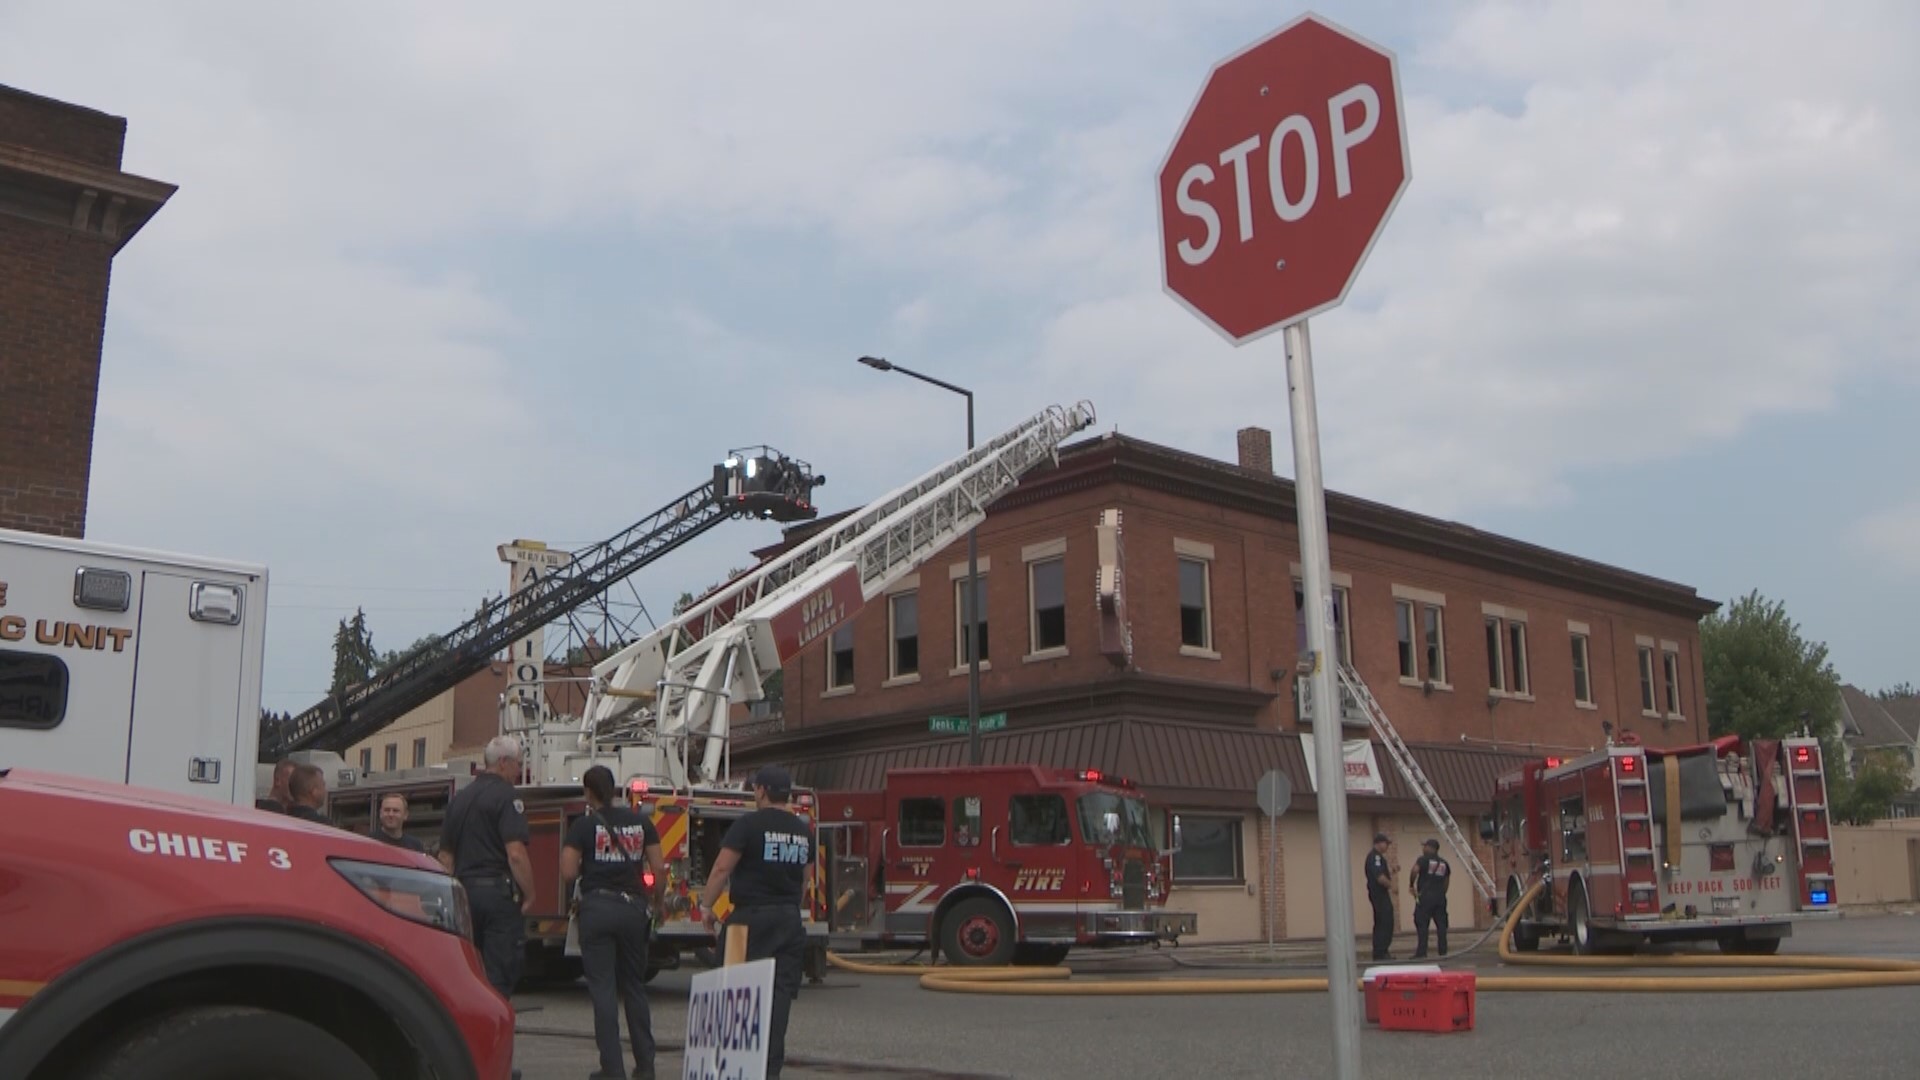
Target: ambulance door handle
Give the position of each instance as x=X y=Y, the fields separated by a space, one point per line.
x=993 y=840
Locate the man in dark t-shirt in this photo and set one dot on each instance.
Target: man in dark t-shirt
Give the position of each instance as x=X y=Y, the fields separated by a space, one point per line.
x=767 y=856
x=604 y=851
x=1431 y=876
x=484 y=844
x=393 y=824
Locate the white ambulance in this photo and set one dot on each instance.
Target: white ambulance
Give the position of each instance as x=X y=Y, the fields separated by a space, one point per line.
x=132 y=666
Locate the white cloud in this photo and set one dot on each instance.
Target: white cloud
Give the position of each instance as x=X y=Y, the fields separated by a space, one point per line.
x=1892 y=536
x=1630 y=231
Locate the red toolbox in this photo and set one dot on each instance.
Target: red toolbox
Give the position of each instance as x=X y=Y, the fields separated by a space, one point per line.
x=1426 y=1001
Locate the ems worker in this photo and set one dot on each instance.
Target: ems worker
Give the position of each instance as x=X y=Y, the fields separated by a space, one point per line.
x=279 y=798
x=1380 y=895
x=393 y=824
x=768 y=855
x=1431 y=876
x=484 y=844
x=604 y=850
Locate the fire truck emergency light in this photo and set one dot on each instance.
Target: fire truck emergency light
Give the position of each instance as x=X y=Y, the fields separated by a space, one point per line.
x=1553 y=763
x=1819 y=896
x=1629 y=764
x=1802 y=755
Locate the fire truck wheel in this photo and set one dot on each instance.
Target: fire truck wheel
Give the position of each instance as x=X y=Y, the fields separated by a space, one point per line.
x=227 y=1043
x=978 y=932
x=1580 y=923
x=1039 y=955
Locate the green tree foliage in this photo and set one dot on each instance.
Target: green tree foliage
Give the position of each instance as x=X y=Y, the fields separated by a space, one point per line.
x=1879 y=777
x=1898 y=690
x=429 y=644
x=354 y=657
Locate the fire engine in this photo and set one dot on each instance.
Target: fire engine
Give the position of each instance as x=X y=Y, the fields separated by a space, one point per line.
x=991 y=865
x=1726 y=842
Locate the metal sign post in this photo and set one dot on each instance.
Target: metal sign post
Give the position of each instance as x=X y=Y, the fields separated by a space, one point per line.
x=1330 y=792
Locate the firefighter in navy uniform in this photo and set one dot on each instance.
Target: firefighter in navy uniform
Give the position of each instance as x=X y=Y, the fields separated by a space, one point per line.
x=484 y=844
x=768 y=856
x=604 y=850
x=1431 y=876
x=1380 y=895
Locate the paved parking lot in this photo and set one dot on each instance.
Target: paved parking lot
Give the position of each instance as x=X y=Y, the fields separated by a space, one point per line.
x=882 y=1026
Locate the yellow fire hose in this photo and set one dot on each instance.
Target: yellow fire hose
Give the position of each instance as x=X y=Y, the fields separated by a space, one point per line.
x=1838 y=973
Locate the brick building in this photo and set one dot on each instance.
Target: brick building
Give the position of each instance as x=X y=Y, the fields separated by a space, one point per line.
x=66 y=209
x=1482 y=650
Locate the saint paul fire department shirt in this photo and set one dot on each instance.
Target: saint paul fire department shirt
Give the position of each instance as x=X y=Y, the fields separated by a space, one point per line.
x=612 y=859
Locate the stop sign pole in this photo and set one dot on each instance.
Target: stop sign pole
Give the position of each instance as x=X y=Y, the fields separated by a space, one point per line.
x=1289 y=163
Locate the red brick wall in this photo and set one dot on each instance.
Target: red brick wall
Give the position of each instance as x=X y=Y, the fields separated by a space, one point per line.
x=1254 y=630
x=53 y=305
x=55 y=127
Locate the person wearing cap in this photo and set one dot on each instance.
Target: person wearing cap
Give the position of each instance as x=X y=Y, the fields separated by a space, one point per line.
x=1431 y=876
x=1380 y=894
x=767 y=856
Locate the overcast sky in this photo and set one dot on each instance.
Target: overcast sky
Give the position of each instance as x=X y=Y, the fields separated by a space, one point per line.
x=441 y=275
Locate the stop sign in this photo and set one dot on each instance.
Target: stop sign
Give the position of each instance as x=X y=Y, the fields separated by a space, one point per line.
x=1288 y=164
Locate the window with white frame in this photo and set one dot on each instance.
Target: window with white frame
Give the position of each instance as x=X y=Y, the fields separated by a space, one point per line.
x=393 y=756
x=419 y=753
x=840 y=658
x=1196 y=608
x=1047 y=593
x=1670 y=660
x=903 y=616
x=366 y=760
x=1403 y=621
x=1648 y=702
x=1507 y=651
x=1582 y=669
x=961 y=609
x=1209 y=851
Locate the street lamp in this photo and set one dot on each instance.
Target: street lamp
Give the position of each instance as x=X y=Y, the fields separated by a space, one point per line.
x=973 y=568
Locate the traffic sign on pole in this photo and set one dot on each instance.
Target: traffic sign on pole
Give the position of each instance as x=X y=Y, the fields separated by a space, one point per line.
x=1290 y=161
x=1291 y=158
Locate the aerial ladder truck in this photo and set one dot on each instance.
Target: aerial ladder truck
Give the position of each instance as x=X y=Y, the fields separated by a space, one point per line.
x=657 y=712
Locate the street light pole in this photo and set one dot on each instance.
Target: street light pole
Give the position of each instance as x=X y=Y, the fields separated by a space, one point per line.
x=971 y=604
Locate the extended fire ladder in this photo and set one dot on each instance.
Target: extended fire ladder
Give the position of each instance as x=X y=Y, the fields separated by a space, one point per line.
x=781 y=492
x=676 y=684
x=1423 y=790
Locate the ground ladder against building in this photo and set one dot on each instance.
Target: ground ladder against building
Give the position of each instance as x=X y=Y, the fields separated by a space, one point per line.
x=1417 y=780
x=674 y=686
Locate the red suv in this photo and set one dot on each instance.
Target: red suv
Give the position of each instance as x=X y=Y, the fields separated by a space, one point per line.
x=148 y=936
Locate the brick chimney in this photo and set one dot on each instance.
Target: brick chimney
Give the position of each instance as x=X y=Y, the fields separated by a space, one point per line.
x=1256 y=450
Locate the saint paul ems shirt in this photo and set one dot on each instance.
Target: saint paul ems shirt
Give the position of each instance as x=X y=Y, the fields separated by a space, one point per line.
x=776 y=847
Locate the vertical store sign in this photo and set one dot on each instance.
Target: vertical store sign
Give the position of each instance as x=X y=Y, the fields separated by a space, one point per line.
x=528 y=562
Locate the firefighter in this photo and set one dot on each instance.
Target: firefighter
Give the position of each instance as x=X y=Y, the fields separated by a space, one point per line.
x=307 y=794
x=484 y=844
x=1380 y=895
x=279 y=798
x=604 y=850
x=1428 y=883
x=769 y=856
x=393 y=824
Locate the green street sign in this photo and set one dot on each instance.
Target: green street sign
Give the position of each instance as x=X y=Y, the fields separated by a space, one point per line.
x=957 y=725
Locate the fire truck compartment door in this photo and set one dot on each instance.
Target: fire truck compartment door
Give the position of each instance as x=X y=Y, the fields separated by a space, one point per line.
x=186 y=695
x=1701 y=797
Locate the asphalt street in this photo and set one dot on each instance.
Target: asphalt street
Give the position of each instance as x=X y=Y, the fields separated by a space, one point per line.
x=884 y=1026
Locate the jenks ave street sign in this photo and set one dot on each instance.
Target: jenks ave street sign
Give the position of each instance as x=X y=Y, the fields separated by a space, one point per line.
x=1287 y=167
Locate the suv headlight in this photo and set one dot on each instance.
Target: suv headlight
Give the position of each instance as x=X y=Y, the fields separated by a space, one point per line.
x=421 y=896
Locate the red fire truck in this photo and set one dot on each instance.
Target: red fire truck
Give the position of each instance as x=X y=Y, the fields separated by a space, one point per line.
x=997 y=864
x=1726 y=842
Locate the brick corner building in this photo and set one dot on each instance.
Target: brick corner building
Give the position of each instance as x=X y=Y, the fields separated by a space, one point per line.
x=66 y=209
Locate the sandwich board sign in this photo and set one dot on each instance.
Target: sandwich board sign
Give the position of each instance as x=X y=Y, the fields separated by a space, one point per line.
x=729 y=1016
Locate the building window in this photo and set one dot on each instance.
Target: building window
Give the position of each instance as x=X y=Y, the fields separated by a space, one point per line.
x=903 y=614
x=1671 y=660
x=1582 y=667
x=1507 y=651
x=366 y=760
x=960 y=611
x=1517 y=656
x=1196 y=614
x=840 y=658
x=1647 y=700
x=393 y=757
x=1342 y=632
x=1037 y=821
x=1433 y=638
x=1047 y=586
x=419 y=753
x=1496 y=660
x=1409 y=652
x=923 y=822
x=1209 y=851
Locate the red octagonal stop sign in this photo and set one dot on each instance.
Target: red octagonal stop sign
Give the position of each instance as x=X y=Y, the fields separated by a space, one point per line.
x=1287 y=167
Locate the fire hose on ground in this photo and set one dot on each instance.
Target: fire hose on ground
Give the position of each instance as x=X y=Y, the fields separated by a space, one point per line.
x=1834 y=973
